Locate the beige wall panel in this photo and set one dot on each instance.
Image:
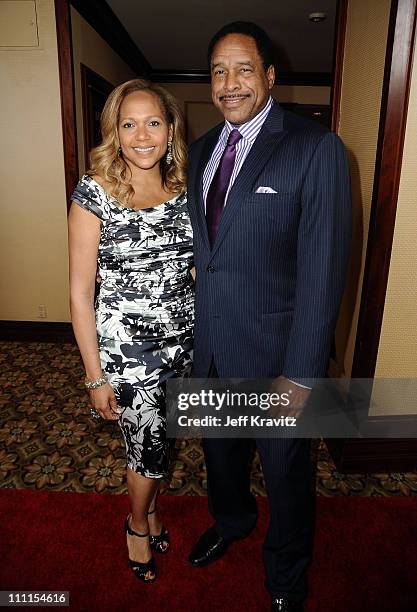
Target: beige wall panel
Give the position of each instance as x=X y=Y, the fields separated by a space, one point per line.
x=33 y=232
x=201 y=117
x=92 y=51
x=397 y=353
x=301 y=94
x=18 y=24
x=363 y=71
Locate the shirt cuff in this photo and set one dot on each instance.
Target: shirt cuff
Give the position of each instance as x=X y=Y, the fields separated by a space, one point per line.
x=299 y=384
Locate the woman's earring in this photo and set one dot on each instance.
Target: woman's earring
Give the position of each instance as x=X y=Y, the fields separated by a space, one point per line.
x=169 y=157
x=119 y=152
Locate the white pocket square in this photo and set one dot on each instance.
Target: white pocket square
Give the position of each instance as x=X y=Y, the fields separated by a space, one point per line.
x=265 y=190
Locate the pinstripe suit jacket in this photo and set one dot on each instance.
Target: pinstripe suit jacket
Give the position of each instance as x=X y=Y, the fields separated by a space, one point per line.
x=268 y=292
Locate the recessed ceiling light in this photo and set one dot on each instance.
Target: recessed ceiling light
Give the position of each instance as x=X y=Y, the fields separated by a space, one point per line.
x=317 y=17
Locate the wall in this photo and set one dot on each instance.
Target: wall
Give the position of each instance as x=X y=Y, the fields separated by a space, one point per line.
x=92 y=51
x=366 y=35
x=33 y=230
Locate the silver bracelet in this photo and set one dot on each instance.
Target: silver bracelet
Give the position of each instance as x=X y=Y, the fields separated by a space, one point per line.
x=96 y=383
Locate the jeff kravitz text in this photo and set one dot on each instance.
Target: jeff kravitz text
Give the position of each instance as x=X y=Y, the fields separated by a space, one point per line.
x=240 y=421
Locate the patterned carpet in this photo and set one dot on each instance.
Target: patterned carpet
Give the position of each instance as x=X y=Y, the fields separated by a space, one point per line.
x=49 y=441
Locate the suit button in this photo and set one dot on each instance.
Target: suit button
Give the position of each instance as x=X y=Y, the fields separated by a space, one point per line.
x=211 y=269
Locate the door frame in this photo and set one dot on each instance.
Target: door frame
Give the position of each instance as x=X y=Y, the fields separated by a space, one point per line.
x=67 y=87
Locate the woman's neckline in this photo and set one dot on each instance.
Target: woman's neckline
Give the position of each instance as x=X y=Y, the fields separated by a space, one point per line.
x=146 y=208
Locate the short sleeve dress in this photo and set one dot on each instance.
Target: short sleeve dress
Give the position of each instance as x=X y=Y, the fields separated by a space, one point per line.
x=144 y=313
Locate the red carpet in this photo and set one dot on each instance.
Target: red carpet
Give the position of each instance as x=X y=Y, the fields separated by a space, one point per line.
x=365 y=555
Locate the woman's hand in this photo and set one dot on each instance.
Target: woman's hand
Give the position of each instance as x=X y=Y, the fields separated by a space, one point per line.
x=104 y=401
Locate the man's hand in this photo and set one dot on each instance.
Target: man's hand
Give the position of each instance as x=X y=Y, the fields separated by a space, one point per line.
x=297 y=397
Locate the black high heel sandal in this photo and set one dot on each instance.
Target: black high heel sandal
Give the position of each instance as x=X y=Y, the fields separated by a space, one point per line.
x=160 y=543
x=141 y=569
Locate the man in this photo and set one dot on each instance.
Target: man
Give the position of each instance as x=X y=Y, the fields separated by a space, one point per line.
x=269 y=200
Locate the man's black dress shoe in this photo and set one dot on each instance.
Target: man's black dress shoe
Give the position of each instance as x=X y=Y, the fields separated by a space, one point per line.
x=286 y=605
x=210 y=547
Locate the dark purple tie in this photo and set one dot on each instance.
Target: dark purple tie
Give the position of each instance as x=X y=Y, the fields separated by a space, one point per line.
x=217 y=192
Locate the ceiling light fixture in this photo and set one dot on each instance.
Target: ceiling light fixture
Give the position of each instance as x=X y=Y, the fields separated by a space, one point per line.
x=317 y=17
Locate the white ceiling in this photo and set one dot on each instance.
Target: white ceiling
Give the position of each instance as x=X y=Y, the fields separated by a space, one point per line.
x=173 y=34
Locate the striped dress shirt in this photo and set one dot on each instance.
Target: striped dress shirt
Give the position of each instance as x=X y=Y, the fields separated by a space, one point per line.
x=249 y=132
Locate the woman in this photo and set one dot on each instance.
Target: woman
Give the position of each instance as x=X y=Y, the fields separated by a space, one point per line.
x=129 y=225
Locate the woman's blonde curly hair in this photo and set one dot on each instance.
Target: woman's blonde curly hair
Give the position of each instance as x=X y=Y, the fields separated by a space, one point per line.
x=105 y=160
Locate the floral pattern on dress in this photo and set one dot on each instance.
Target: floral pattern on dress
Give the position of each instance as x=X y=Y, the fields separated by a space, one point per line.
x=144 y=313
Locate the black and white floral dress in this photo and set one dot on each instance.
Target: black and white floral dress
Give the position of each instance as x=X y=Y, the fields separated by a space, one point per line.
x=144 y=313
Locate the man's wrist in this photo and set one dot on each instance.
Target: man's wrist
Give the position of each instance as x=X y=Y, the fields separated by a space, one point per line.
x=299 y=384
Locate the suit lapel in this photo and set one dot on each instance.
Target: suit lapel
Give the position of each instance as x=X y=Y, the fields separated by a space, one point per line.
x=268 y=139
x=209 y=144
